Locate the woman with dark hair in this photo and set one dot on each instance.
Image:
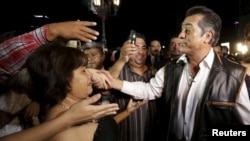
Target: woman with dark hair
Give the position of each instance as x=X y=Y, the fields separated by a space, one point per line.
x=59 y=79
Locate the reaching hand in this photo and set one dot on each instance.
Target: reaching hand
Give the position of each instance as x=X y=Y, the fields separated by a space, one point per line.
x=72 y=30
x=134 y=105
x=32 y=110
x=83 y=111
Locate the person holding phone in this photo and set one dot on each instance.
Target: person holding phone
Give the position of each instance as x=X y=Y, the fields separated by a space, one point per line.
x=59 y=78
x=131 y=66
x=202 y=90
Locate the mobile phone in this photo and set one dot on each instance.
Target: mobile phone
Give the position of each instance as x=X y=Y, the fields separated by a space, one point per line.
x=132 y=36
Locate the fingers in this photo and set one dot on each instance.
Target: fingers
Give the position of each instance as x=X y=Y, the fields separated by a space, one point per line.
x=105 y=110
x=87 y=23
x=85 y=33
x=110 y=110
x=143 y=102
x=127 y=50
x=85 y=111
x=99 y=80
x=108 y=76
x=86 y=36
x=130 y=101
x=108 y=84
x=92 y=99
x=32 y=110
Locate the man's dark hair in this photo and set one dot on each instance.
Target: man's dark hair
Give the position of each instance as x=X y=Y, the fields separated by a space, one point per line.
x=210 y=21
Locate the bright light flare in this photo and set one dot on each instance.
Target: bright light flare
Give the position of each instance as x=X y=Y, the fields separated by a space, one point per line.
x=242 y=48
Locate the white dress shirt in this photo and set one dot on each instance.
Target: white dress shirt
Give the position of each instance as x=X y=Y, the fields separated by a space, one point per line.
x=189 y=93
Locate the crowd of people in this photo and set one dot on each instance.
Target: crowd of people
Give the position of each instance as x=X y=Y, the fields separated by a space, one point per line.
x=181 y=95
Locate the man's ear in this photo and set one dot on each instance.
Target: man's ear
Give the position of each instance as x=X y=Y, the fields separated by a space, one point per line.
x=208 y=36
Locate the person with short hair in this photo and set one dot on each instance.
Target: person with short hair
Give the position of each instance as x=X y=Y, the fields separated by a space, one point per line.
x=96 y=54
x=59 y=78
x=131 y=66
x=202 y=91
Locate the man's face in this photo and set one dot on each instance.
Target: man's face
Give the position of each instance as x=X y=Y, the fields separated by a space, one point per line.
x=139 y=58
x=193 y=40
x=174 y=47
x=155 y=48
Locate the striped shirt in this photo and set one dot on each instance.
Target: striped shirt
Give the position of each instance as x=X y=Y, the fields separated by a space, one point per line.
x=141 y=122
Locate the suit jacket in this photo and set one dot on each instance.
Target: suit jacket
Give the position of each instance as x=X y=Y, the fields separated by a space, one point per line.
x=158 y=64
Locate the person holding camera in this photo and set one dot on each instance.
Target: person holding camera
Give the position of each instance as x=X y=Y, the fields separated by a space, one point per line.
x=202 y=90
x=131 y=66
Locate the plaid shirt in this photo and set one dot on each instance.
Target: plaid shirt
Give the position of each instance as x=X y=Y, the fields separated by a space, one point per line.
x=14 y=51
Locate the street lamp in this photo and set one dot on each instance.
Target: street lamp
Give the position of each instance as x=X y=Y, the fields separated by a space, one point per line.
x=104 y=8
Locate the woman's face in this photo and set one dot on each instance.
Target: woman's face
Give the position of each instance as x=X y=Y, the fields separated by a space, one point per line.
x=81 y=85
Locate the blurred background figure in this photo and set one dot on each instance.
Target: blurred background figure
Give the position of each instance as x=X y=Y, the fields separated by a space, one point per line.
x=247 y=35
x=174 y=48
x=96 y=55
x=245 y=60
x=154 y=53
x=225 y=51
x=218 y=50
x=17 y=110
x=172 y=53
x=115 y=54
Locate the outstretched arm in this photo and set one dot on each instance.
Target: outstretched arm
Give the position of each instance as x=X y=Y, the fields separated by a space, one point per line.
x=72 y=30
x=14 y=51
x=82 y=111
x=138 y=89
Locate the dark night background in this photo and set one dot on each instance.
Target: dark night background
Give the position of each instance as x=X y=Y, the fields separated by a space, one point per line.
x=155 y=18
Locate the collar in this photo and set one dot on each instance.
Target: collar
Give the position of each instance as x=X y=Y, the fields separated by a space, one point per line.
x=207 y=61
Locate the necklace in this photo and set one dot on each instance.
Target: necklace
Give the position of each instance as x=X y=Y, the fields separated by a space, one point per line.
x=63 y=106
